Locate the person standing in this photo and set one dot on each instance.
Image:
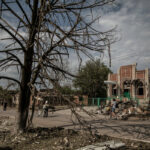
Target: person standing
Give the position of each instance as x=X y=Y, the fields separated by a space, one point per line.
x=114 y=103
x=4 y=105
x=45 y=109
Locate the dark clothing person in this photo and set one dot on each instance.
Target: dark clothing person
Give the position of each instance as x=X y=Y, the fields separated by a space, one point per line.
x=45 y=111
x=4 y=106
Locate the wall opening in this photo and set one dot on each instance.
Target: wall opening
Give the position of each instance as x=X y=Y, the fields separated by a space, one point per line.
x=126 y=88
x=114 y=90
x=126 y=93
x=140 y=91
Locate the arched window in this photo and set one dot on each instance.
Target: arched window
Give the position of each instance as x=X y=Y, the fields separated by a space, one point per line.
x=140 y=88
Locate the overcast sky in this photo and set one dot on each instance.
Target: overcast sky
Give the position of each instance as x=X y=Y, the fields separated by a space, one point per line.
x=132 y=21
x=132 y=18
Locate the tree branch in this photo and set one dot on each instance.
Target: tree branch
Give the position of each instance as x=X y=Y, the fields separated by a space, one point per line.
x=9 y=78
x=13 y=36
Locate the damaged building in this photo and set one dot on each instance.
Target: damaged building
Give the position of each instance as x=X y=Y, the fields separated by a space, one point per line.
x=129 y=82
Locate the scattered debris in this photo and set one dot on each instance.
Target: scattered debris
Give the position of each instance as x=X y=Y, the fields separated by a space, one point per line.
x=61 y=139
x=104 y=146
x=124 y=110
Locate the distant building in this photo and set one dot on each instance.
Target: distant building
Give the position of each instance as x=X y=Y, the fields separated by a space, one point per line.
x=129 y=82
x=43 y=95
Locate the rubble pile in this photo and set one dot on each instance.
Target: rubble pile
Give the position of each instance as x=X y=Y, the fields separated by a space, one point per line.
x=125 y=109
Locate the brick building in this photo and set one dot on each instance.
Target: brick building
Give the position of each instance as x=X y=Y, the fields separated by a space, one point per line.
x=129 y=82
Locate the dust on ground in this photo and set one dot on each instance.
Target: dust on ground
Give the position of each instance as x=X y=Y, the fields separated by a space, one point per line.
x=57 y=138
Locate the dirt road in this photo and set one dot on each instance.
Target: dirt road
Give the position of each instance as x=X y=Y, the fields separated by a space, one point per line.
x=130 y=129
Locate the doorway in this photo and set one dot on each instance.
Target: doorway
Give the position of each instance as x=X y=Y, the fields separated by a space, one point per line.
x=126 y=93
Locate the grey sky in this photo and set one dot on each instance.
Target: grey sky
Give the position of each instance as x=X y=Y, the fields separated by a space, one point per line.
x=132 y=18
x=133 y=25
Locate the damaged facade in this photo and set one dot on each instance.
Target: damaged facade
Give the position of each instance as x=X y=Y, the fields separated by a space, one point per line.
x=129 y=82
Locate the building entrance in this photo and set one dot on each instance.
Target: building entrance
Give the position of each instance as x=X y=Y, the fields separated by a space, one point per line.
x=126 y=93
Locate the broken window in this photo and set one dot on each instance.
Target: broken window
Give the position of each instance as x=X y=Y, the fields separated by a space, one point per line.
x=114 y=90
x=140 y=88
x=140 y=91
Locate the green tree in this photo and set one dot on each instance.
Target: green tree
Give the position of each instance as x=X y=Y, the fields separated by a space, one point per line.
x=91 y=78
x=66 y=89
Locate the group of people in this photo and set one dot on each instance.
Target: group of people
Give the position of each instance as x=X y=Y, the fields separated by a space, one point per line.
x=43 y=109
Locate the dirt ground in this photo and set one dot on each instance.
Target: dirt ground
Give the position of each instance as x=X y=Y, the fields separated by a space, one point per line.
x=57 y=132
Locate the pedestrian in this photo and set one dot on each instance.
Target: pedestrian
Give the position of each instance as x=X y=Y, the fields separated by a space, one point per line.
x=114 y=103
x=4 y=105
x=45 y=109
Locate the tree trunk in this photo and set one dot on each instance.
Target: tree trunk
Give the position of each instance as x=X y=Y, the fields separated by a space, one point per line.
x=24 y=101
x=25 y=93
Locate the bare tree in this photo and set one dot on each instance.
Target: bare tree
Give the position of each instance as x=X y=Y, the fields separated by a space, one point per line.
x=40 y=34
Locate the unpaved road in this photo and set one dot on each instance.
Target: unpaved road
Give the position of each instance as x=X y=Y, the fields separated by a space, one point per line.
x=130 y=129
